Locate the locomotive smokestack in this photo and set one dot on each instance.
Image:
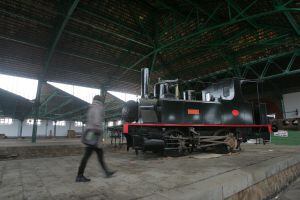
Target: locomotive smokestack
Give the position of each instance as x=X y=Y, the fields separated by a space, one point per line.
x=145 y=82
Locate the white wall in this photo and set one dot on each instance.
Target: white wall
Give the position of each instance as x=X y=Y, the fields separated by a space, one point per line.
x=291 y=103
x=14 y=129
x=10 y=130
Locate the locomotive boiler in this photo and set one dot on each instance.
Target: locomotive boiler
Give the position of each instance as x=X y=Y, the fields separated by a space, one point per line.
x=185 y=121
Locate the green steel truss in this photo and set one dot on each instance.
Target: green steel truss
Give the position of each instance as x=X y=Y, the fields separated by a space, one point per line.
x=265 y=64
x=239 y=18
x=57 y=35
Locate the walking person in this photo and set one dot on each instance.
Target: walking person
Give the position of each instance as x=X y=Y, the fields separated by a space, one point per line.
x=91 y=138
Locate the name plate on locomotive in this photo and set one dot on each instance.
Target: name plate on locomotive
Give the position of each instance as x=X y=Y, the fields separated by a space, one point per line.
x=193 y=111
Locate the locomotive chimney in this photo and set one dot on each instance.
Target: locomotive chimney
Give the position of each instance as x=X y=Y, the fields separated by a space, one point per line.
x=145 y=82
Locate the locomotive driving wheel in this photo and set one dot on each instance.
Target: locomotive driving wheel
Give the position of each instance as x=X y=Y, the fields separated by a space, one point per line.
x=231 y=142
x=175 y=140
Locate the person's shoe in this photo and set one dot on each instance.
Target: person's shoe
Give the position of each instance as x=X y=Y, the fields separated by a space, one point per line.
x=110 y=173
x=81 y=178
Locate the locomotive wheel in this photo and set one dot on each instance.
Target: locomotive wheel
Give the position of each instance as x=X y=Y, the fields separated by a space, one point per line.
x=175 y=134
x=161 y=152
x=222 y=149
x=231 y=142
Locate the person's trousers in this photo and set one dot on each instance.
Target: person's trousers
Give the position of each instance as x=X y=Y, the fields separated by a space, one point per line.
x=87 y=154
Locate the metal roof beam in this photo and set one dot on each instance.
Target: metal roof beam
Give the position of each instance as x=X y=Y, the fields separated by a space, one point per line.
x=58 y=107
x=137 y=20
x=124 y=56
x=278 y=4
x=103 y=42
x=293 y=22
x=57 y=35
x=288 y=68
x=265 y=69
x=112 y=33
x=266 y=42
x=113 y=21
x=83 y=9
x=117 y=107
x=281 y=74
x=193 y=3
x=71 y=112
x=39 y=22
x=169 y=7
x=246 y=65
x=81 y=118
x=214 y=27
x=70 y=32
x=215 y=43
x=65 y=52
x=112 y=116
x=210 y=17
x=48 y=98
x=241 y=12
x=254 y=72
x=285 y=72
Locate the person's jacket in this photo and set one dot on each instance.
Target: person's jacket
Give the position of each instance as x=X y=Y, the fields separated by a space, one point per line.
x=95 y=116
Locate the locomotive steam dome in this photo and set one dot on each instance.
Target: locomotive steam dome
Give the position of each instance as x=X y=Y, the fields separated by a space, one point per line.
x=130 y=111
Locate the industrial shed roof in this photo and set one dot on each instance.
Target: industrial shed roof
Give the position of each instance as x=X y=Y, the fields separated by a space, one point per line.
x=12 y=105
x=55 y=105
x=59 y=105
x=105 y=43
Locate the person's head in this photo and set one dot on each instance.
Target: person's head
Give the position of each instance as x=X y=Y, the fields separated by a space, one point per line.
x=99 y=98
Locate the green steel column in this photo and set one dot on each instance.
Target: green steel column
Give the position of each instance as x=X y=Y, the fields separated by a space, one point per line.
x=36 y=111
x=82 y=127
x=21 y=128
x=46 y=128
x=282 y=107
x=54 y=132
x=103 y=92
x=57 y=34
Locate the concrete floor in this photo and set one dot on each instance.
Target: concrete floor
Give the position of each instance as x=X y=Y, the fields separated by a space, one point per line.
x=292 y=192
x=39 y=142
x=199 y=176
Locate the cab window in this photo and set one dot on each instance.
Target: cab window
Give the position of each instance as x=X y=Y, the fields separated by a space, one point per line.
x=226 y=91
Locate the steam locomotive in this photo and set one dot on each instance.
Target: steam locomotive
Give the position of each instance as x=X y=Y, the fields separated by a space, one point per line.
x=220 y=118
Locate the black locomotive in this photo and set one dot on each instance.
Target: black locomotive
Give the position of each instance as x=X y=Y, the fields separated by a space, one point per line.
x=217 y=116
